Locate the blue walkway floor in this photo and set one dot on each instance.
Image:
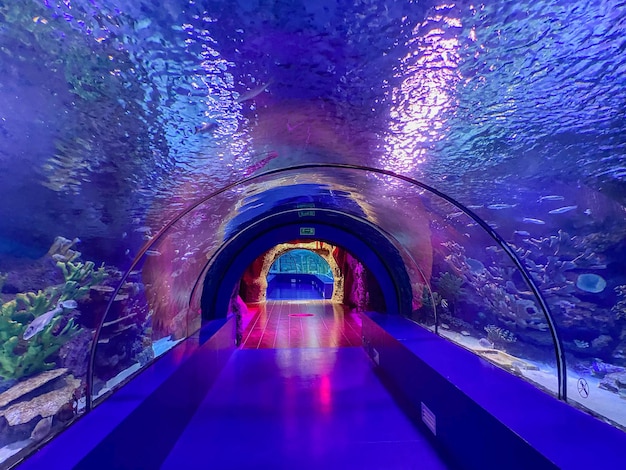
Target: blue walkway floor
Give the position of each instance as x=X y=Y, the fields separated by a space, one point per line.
x=300 y=409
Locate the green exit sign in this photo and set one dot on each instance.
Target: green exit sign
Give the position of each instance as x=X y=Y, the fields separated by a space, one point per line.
x=307 y=231
x=306 y=213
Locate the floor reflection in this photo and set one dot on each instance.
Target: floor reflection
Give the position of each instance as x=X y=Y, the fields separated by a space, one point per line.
x=302 y=324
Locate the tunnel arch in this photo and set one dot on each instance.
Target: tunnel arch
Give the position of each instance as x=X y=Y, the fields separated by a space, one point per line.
x=323 y=253
x=378 y=254
x=420 y=186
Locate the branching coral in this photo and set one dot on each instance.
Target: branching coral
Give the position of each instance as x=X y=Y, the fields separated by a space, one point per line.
x=20 y=357
x=61 y=249
x=79 y=278
x=17 y=360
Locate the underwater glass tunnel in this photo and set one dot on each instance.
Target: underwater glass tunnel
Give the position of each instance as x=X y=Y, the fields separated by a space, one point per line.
x=170 y=166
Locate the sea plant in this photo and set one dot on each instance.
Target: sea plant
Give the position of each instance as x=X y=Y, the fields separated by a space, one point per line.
x=79 y=278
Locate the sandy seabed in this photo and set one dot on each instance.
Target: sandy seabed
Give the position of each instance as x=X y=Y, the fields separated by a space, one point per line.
x=599 y=402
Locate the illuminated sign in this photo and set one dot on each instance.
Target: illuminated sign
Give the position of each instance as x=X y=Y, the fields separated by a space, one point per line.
x=310 y=231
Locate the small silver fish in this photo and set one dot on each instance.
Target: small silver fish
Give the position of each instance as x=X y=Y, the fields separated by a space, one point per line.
x=563 y=210
x=498 y=207
x=522 y=233
x=528 y=220
x=39 y=323
x=444 y=303
x=153 y=253
x=205 y=128
x=254 y=92
x=68 y=304
x=553 y=197
x=587 y=212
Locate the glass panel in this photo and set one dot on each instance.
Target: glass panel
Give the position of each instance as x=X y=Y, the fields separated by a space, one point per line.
x=301 y=261
x=571 y=239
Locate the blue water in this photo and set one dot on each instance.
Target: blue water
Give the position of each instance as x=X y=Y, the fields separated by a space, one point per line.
x=100 y=100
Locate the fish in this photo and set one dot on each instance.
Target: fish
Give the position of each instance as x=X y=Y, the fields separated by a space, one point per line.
x=205 y=128
x=42 y=429
x=498 y=207
x=68 y=304
x=522 y=233
x=563 y=210
x=144 y=229
x=528 y=220
x=444 y=303
x=261 y=163
x=552 y=197
x=39 y=323
x=587 y=212
x=153 y=253
x=254 y=92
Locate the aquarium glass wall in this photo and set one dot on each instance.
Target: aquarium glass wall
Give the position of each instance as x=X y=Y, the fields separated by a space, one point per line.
x=119 y=118
x=301 y=261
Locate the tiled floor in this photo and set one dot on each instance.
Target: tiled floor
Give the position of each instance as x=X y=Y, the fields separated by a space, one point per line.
x=300 y=409
x=302 y=324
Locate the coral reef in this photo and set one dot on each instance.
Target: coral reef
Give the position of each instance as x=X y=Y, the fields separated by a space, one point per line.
x=449 y=286
x=620 y=307
x=79 y=278
x=61 y=249
x=42 y=315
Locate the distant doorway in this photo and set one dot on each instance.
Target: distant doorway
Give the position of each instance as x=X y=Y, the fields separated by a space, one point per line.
x=300 y=274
